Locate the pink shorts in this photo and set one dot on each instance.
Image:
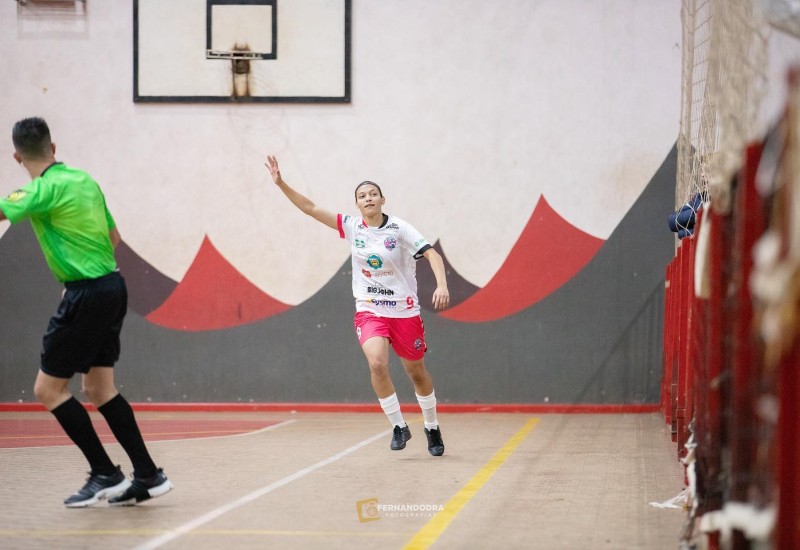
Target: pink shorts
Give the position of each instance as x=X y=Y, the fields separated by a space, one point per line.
x=406 y=335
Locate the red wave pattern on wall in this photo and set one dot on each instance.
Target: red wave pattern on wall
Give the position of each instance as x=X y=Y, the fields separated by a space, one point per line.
x=548 y=253
x=212 y=296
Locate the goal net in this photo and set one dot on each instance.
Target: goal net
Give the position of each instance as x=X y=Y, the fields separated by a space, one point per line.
x=723 y=81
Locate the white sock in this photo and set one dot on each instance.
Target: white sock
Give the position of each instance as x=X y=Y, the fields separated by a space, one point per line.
x=428 y=406
x=391 y=406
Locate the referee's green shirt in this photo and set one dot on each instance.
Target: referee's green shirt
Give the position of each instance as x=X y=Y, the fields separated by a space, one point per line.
x=68 y=213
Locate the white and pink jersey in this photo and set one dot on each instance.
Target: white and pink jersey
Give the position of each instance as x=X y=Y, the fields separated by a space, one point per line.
x=384 y=261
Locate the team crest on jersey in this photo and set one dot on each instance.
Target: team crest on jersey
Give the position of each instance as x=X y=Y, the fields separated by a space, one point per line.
x=358 y=243
x=374 y=261
x=17 y=195
x=390 y=243
x=418 y=343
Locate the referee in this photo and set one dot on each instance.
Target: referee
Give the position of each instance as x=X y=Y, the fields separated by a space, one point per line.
x=77 y=234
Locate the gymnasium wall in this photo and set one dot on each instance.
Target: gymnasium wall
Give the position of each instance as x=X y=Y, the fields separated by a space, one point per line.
x=531 y=141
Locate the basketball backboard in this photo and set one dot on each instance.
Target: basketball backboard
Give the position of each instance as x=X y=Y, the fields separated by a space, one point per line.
x=241 y=51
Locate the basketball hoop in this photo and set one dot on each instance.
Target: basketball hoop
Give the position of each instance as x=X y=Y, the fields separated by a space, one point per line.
x=234 y=55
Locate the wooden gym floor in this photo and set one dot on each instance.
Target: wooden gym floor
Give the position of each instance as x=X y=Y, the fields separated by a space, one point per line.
x=329 y=481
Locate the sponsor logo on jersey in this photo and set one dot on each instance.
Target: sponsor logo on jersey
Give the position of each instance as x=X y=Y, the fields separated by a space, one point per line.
x=378 y=274
x=358 y=243
x=390 y=243
x=17 y=195
x=392 y=226
x=374 y=261
x=366 y=273
x=383 y=303
x=381 y=291
x=419 y=243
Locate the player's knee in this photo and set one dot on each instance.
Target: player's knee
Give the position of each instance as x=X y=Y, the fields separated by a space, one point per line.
x=379 y=367
x=94 y=393
x=46 y=394
x=42 y=393
x=416 y=371
x=413 y=367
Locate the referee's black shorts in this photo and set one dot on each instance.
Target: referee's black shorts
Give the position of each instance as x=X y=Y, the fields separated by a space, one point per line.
x=85 y=330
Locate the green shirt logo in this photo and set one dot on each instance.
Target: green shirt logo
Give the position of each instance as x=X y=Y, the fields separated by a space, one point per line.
x=16 y=196
x=374 y=261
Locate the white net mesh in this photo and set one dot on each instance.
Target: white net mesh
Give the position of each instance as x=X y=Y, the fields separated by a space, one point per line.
x=724 y=77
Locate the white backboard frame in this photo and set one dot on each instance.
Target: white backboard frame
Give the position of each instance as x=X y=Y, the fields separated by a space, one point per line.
x=307 y=58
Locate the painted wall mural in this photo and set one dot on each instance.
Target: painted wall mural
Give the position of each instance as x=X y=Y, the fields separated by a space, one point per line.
x=213 y=295
x=532 y=142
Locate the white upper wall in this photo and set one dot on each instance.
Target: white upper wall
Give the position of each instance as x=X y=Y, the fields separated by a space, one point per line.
x=465 y=112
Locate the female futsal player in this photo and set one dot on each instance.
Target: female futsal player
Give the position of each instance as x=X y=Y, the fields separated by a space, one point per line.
x=384 y=252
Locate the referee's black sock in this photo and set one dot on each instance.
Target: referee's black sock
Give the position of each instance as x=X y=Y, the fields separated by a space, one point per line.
x=78 y=426
x=119 y=415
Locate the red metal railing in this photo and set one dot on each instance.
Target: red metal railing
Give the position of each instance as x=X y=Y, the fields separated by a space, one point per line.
x=716 y=382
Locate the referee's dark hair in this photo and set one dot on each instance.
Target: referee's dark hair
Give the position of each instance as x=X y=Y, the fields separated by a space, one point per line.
x=31 y=137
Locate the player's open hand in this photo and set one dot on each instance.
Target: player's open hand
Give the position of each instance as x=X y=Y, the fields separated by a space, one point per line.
x=272 y=165
x=441 y=298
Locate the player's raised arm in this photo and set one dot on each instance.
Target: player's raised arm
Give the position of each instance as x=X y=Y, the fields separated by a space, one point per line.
x=302 y=202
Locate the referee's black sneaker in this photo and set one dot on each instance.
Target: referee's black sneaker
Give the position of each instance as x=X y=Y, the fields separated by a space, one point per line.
x=143 y=489
x=399 y=437
x=98 y=487
x=435 y=443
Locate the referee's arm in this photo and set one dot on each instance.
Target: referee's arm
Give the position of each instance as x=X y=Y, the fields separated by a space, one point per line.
x=113 y=234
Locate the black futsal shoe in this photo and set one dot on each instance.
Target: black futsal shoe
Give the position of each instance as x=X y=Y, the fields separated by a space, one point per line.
x=435 y=443
x=97 y=488
x=143 y=489
x=399 y=437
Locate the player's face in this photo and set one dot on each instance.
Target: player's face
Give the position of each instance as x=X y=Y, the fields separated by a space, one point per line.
x=369 y=200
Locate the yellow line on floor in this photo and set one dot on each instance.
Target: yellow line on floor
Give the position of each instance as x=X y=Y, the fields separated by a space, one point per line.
x=287 y=533
x=47 y=533
x=432 y=530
